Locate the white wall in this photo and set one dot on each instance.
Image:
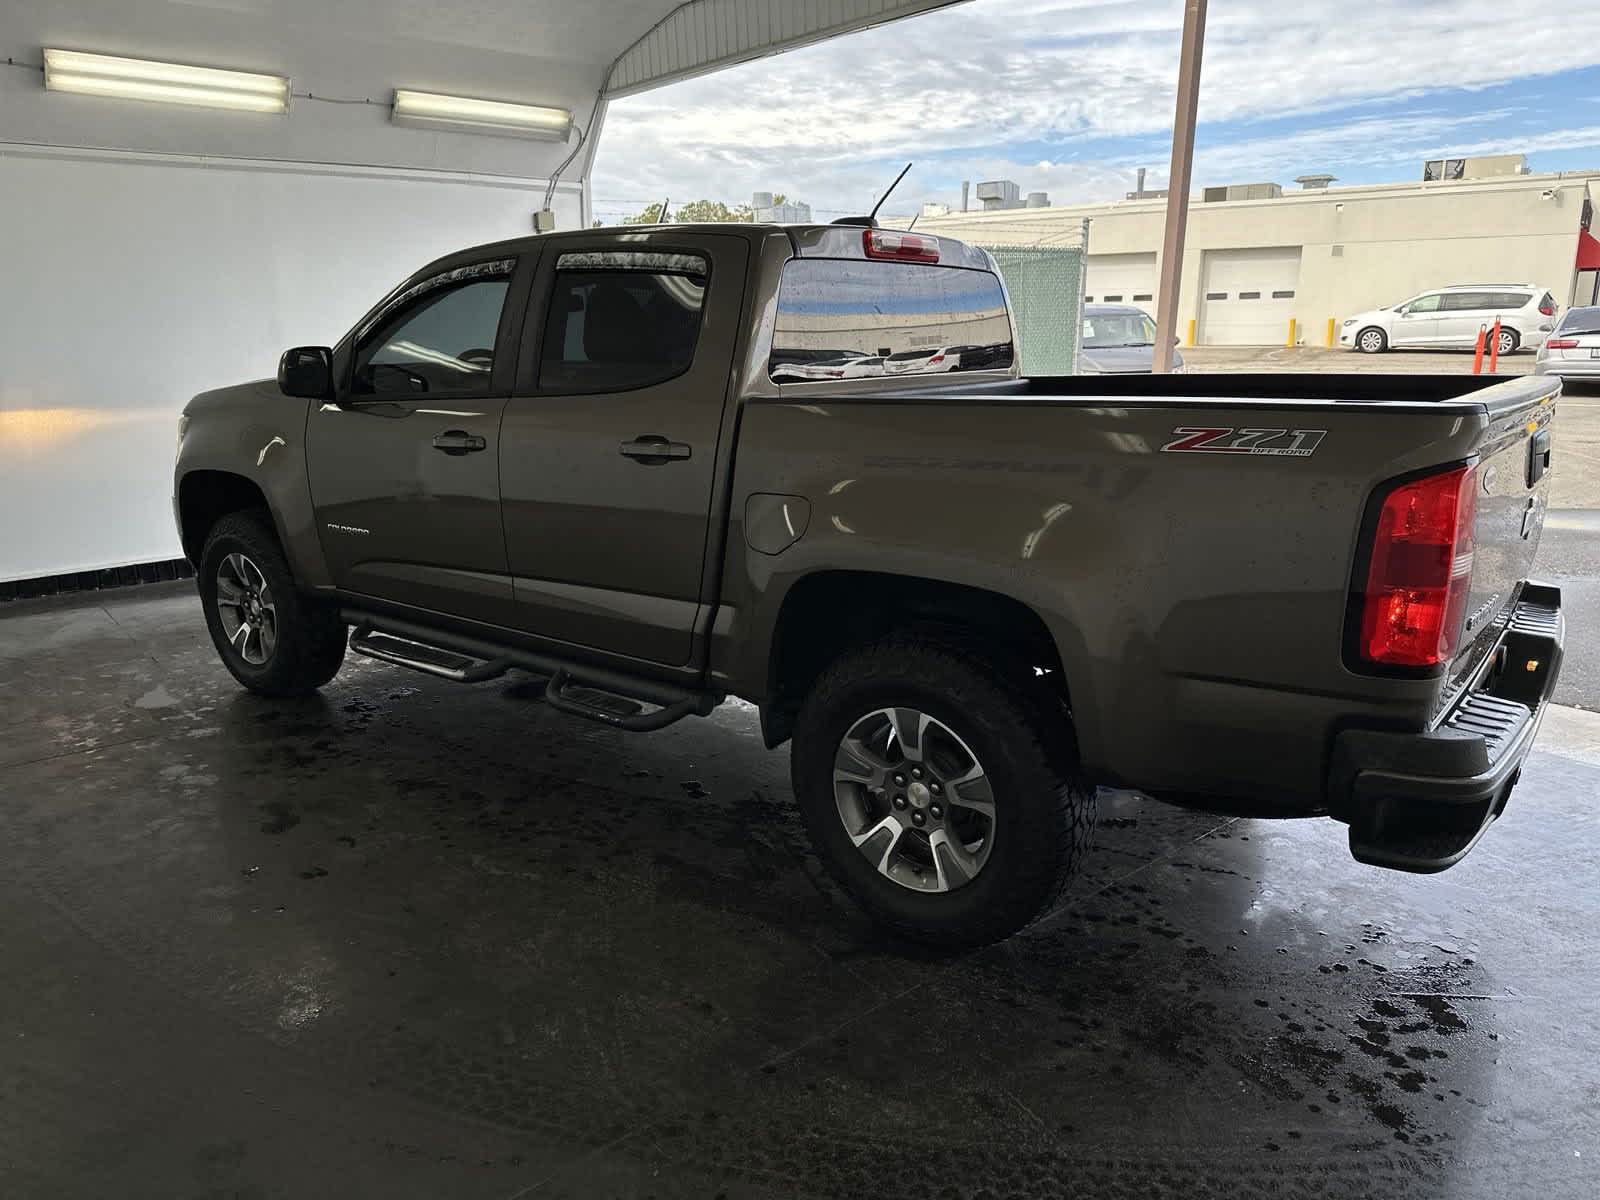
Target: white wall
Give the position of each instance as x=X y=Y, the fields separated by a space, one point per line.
x=134 y=281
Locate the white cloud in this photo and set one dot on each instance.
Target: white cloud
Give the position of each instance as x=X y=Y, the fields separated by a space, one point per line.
x=960 y=91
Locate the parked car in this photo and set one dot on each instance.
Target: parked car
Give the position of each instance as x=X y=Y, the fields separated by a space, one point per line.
x=1572 y=351
x=1450 y=318
x=923 y=362
x=967 y=599
x=1119 y=339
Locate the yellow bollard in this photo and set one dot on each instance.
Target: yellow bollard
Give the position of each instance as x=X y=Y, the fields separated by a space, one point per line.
x=1330 y=333
x=1190 y=342
x=1290 y=340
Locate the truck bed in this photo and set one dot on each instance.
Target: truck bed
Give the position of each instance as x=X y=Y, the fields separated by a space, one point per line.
x=1201 y=597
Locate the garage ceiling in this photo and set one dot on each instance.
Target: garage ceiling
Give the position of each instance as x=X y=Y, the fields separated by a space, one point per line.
x=553 y=52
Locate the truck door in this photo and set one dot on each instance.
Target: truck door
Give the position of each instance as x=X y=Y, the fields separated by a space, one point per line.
x=404 y=467
x=608 y=448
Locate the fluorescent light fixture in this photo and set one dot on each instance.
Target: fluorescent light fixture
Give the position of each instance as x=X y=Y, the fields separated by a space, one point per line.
x=167 y=83
x=462 y=114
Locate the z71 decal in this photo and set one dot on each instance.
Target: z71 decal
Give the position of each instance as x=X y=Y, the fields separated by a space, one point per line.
x=1298 y=443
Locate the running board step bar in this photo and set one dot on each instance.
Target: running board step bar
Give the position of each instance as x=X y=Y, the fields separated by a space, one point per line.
x=571 y=696
x=594 y=693
x=431 y=660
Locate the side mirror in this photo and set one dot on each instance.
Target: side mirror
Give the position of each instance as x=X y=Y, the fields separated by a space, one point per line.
x=307 y=372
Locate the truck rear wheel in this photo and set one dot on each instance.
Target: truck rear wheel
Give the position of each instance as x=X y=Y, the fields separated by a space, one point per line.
x=944 y=798
x=271 y=637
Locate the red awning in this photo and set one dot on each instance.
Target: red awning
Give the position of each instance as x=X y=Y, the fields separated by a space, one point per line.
x=1588 y=251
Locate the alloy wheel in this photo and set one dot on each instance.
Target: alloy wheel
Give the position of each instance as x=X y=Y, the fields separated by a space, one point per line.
x=245 y=606
x=914 y=799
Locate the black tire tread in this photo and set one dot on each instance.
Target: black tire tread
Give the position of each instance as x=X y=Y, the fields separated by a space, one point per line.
x=311 y=641
x=1039 y=737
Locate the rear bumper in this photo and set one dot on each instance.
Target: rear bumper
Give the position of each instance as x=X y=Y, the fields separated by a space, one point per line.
x=1420 y=801
x=1569 y=368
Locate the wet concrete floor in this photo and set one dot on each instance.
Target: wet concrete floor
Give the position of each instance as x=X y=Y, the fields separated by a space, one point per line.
x=411 y=939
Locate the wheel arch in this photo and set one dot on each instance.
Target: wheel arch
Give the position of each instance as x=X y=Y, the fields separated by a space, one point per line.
x=206 y=496
x=827 y=612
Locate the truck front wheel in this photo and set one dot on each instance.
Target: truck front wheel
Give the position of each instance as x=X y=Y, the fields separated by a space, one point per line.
x=941 y=794
x=273 y=639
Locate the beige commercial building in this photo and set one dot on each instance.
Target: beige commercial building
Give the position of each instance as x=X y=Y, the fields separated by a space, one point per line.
x=1255 y=263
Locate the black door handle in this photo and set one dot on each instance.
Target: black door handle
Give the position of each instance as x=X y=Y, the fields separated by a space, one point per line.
x=653 y=449
x=458 y=442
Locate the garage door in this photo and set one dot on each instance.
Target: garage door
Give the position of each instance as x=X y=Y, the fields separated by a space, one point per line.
x=1247 y=296
x=1122 y=279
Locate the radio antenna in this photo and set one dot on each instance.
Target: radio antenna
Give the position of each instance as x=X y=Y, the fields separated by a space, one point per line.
x=873 y=215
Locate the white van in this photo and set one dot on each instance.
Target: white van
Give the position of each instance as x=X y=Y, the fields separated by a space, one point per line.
x=1450 y=318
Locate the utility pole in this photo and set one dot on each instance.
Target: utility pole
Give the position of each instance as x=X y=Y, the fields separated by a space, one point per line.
x=1194 y=36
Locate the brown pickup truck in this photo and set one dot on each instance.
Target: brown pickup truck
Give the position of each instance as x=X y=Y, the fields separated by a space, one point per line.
x=659 y=466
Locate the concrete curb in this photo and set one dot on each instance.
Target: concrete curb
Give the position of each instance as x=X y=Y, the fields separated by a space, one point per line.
x=1570 y=732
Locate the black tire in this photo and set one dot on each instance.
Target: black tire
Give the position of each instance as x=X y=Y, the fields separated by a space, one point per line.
x=1372 y=344
x=1043 y=808
x=310 y=637
x=1509 y=341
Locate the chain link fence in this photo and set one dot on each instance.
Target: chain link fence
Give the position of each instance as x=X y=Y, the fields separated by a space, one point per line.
x=1045 y=284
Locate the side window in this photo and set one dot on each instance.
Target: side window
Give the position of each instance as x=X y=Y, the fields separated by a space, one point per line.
x=621 y=319
x=1424 y=304
x=1468 y=301
x=847 y=319
x=1509 y=301
x=437 y=337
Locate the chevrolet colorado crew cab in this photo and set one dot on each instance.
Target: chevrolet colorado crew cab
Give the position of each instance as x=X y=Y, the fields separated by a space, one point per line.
x=635 y=463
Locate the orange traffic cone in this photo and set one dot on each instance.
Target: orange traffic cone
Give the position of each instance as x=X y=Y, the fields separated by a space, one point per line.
x=1477 y=356
x=1494 y=347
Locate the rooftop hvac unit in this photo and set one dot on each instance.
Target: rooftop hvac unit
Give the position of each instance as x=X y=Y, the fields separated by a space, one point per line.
x=1242 y=191
x=1000 y=193
x=1038 y=200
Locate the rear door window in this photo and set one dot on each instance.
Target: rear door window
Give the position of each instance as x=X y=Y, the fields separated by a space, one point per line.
x=621 y=319
x=1467 y=301
x=919 y=319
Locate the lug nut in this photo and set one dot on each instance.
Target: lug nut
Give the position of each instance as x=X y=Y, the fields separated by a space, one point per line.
x=899 y=781
x=935 y=787
x=917 y=818
x=916 y=772
x=899 y=801
x=936 y=812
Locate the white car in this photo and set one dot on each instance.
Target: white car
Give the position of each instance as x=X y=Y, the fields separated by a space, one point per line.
x=1450 y=318
x=923 y=362
x=1573 y=350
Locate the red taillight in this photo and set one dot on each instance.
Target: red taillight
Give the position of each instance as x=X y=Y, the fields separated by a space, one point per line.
x=1547 y=310
x=1561 y=343
x=1421 y=571
x=901 y=247
x=937 y=358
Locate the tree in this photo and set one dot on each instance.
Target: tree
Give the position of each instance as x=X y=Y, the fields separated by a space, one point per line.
x=697 y=212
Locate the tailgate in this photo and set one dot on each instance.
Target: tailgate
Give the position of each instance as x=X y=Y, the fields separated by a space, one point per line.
x=1513 y=482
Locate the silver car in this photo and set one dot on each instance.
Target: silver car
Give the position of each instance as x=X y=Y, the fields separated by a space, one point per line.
x=1572 y=350
x=1119 y=339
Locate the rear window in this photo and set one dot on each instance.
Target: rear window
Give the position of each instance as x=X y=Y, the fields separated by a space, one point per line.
x=850 y=319
x=1505 y=300
x=1581 y=320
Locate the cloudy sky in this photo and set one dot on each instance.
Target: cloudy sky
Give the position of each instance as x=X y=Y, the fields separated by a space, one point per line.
x=1071 y=96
